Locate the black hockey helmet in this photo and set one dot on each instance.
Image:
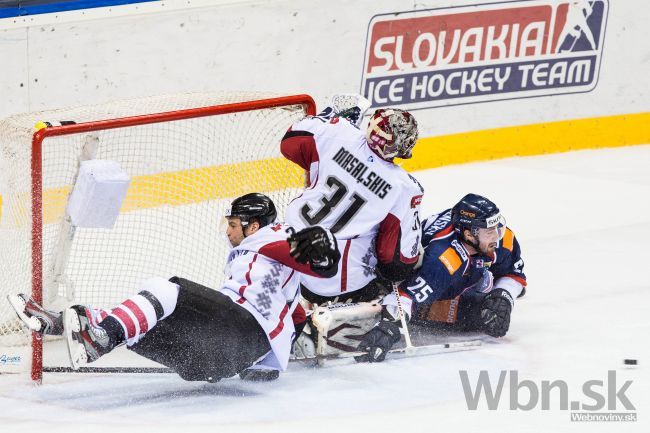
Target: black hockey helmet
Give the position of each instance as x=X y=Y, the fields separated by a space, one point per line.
x=253 y=206
x=473 y=212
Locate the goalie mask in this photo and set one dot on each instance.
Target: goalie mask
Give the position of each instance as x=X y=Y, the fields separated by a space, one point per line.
x=253 y=206
x=392 y=133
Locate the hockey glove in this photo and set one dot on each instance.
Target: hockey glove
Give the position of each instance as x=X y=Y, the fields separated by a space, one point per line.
x=379 y=341
x=316 y=246
x=495 y=312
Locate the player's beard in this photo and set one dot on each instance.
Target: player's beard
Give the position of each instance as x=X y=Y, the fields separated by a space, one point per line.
x=491 y=248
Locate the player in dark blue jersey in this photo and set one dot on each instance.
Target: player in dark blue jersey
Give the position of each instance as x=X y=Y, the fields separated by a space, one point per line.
x=471 y=273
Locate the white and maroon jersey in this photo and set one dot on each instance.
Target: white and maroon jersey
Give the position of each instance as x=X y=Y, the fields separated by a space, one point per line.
x=263 y=278
x=358 y=196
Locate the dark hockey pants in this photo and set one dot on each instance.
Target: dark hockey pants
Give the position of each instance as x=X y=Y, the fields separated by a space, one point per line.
x=208 y=337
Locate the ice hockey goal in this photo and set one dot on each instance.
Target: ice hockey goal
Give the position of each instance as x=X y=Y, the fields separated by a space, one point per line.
x=187 y=155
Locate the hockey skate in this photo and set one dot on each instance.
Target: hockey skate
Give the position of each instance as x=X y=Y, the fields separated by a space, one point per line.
x=259 y=374
x=35 y=317
x=86 y=342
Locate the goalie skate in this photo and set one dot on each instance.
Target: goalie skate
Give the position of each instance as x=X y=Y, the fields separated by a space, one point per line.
x=86 y=342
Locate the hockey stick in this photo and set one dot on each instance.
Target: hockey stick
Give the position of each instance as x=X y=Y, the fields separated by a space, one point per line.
x=398 y=353
x=402 y=318
x=108 y=370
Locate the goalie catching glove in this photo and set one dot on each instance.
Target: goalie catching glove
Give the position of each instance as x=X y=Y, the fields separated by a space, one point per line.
x=495 y=312
x=316 y=246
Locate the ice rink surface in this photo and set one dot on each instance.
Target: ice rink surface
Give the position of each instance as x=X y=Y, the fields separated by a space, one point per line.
x=583 y=221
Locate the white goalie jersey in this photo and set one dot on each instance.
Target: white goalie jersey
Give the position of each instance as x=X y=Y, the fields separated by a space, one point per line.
x=371 y=205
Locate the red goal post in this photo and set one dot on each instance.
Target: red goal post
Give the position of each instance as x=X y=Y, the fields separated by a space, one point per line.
x=186 y=163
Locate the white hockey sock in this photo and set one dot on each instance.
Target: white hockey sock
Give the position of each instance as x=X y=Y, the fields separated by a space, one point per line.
x=140 y=313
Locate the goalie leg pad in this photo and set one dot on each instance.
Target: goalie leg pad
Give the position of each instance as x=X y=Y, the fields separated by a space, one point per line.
x=340 y=327
x=208 y=337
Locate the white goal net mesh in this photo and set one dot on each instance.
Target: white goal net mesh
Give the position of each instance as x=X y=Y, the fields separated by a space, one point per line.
x=183 y=174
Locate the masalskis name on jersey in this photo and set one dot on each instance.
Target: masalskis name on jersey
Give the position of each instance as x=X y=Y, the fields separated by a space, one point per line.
x=363 y=175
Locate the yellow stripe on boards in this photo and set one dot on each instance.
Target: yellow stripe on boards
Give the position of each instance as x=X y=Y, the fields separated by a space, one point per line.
x=527 y=140
x=230 y=180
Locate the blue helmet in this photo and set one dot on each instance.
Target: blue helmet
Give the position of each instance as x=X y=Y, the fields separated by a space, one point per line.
x=473 y=212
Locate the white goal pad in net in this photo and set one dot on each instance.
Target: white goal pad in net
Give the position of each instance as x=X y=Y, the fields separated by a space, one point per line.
x=187 y=157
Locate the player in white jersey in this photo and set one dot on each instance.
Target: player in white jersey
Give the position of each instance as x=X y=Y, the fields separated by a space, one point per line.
x=355 y=189
x=201 y=333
